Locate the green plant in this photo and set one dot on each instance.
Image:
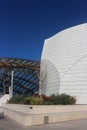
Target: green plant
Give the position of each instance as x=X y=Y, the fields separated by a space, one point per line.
x=48 y=103
x=55 y=99
x=62 y=99
x=36 y=100
x=18 y=99
x=27 y=101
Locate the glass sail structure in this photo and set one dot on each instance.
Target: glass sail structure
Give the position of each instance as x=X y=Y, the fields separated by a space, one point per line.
x=25 y=78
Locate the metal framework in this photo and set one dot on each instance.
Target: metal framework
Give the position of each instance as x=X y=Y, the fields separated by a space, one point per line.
x=25 y=81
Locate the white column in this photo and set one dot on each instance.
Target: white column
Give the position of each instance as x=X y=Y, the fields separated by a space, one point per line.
x=11 y=88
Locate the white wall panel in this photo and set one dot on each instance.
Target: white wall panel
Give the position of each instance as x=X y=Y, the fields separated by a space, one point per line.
x=66 y=53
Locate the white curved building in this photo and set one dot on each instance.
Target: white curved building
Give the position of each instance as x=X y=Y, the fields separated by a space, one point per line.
x=64 y=63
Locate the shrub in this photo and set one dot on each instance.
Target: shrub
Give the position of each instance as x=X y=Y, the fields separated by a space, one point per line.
x=48 y=103
x=36 y=100
x=47 y=98
x=18 y=99
x=55 y=99
x=27 y=100
x=62 y=99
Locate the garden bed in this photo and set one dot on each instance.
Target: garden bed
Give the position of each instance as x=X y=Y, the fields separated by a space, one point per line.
x=28 y=115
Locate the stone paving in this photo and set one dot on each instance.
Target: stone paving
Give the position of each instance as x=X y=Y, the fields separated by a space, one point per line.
x=8 y=124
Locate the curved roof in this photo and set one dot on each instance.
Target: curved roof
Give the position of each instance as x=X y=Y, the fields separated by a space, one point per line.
x=26 y=72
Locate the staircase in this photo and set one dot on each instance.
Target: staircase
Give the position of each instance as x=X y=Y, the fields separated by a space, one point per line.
x=4 y=99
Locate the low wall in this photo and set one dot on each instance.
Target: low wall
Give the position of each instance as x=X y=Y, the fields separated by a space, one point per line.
x=45 y=109
x=43 y=114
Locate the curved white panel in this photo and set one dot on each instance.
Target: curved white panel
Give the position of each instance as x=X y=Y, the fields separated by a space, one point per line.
x=66 y=53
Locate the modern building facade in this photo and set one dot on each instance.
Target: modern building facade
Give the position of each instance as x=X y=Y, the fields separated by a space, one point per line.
x=25 y=76
x=64 y=63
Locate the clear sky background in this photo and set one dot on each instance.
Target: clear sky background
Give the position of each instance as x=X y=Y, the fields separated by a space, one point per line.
x=25 y=24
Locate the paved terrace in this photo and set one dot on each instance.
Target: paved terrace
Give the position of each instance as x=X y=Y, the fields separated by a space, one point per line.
x=8 y=124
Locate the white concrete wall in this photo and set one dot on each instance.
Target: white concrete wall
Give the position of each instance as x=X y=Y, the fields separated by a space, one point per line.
x=44 y=109
x=4 y=99
x=43 y=114
x=66 y=53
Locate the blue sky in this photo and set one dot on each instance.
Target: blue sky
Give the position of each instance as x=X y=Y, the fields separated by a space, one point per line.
x=25 y=24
